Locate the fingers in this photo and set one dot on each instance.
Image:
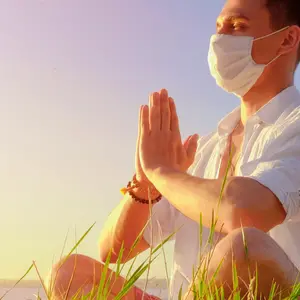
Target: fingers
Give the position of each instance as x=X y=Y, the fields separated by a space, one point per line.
x=160 y=112
x=174 y=117
x=174 y=125
x=165 y=110
x=186 y=142
x=139 y=129
x=155 y=118
x=140 y=122
x=191 y=147
x=145 y=126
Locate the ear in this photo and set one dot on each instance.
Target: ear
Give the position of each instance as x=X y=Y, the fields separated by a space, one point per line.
x=291 y=41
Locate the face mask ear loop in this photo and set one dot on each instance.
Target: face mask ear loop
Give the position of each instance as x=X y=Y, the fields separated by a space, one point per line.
x=270 y=34
x=275 y=58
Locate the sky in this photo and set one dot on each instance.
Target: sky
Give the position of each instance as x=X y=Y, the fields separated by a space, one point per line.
x=73 y=74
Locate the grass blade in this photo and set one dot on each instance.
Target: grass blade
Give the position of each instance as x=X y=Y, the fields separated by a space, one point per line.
x=104 y=275
x=130 y=283
x=26 y=273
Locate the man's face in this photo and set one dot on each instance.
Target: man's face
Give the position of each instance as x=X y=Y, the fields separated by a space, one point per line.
x=251 y=18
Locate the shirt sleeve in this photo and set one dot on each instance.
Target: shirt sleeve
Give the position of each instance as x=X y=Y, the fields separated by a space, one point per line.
x=278 y=169
x=282 y=177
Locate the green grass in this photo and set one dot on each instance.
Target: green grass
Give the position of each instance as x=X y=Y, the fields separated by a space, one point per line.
x=201 y=286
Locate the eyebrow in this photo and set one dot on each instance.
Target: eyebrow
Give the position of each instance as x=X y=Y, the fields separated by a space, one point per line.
x=235 y=17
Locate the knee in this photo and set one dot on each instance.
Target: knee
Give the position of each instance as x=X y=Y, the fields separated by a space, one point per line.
x=66 y=264
x=63 y=271
x=250 y=253
x=249 y=244
x=244 y=247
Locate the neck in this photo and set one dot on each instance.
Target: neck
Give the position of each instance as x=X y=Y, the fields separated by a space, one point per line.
x=261 y=94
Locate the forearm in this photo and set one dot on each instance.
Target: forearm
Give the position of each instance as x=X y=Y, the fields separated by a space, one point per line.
x=123 y=226
x=193 y=196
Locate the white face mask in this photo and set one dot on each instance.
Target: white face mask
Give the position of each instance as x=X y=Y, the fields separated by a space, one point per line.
x=231 y=63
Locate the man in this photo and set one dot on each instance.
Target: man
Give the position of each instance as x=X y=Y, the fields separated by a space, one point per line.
x=253 y=55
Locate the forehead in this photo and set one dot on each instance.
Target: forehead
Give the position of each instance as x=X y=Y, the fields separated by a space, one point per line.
x=250 y=9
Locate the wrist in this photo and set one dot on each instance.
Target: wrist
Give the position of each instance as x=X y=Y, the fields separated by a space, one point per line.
x=156 y=174
x=144 y=194
x=144 y=189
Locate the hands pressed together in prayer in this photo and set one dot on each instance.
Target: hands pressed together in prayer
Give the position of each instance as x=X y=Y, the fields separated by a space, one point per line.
x=159 y=143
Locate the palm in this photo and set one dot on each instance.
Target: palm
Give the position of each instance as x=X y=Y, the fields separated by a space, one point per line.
x=160 y=139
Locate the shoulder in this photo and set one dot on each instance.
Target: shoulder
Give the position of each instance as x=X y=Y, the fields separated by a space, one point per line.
x=282 y=138
x=288 y=125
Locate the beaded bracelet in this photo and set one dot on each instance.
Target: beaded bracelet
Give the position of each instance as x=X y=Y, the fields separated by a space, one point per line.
x=135 y=184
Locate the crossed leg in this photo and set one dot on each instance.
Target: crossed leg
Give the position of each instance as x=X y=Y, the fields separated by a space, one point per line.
x=261 y=256
x=80 y=273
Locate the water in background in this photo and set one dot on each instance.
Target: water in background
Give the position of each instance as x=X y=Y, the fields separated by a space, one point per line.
x=22 y=294
x=29 y=293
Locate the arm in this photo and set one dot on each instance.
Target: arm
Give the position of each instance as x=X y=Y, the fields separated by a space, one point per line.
x=241 y=203
x=127 y=222
x=271 y=189
x=124 y=225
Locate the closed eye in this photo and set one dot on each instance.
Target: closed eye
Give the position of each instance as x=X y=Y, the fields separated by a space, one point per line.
x=236 y=23
x=240 y=25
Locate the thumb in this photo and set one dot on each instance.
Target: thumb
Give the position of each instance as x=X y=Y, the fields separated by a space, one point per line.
x=191 y=147
x=186 y=142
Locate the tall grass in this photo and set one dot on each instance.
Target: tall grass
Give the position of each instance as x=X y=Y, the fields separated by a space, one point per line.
x=201 y=287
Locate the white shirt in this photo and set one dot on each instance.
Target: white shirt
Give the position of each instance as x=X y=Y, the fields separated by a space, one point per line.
x=270 y=154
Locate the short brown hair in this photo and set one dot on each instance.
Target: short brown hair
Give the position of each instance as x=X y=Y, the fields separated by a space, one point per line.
x=284 y=13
